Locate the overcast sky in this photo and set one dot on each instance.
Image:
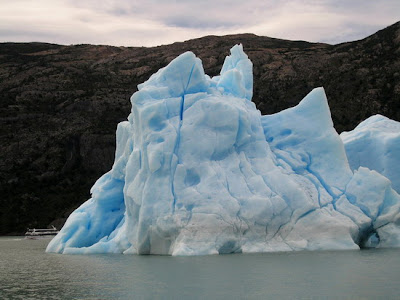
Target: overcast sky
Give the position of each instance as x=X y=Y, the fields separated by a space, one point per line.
x=156 y=22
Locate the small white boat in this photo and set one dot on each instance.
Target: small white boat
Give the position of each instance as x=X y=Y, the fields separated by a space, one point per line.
x=40 y=233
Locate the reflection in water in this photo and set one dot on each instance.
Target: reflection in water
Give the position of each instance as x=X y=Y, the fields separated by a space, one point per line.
x=26 y=272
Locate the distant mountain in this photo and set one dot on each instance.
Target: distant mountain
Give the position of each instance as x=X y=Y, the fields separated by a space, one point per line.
x=60 y=105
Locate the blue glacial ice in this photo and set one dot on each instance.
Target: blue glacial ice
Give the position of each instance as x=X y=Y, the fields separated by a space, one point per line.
x=198 y=170
x=375 y=144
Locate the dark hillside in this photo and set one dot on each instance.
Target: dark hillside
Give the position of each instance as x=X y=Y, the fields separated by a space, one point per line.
x=59 y=105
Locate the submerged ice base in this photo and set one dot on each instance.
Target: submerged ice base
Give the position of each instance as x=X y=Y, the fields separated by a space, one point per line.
x=198 y=171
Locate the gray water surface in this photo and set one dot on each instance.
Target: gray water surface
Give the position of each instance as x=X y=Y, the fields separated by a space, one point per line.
x=27 y=272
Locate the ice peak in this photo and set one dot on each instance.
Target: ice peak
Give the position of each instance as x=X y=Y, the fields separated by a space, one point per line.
x=183 y=75
x=237 y=74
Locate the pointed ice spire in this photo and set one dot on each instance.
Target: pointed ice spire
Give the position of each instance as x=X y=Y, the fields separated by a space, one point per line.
x=183 y=75
x=237 y=74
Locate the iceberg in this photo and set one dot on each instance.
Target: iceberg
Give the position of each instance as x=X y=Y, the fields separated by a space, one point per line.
x=198 y=170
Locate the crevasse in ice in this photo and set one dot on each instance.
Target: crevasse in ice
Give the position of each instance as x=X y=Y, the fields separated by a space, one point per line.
x=198 y=171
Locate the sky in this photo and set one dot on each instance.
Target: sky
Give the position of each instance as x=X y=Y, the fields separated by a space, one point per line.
x=158 y=22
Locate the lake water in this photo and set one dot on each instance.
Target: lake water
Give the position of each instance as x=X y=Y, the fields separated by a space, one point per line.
x=26 y=272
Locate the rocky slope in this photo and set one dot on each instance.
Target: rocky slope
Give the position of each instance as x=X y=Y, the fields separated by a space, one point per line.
x=59 y=105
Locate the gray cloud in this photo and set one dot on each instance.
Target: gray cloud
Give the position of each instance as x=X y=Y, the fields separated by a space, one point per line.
x=190 y=22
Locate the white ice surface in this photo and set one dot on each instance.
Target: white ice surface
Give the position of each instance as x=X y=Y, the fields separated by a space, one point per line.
x=375 y=144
